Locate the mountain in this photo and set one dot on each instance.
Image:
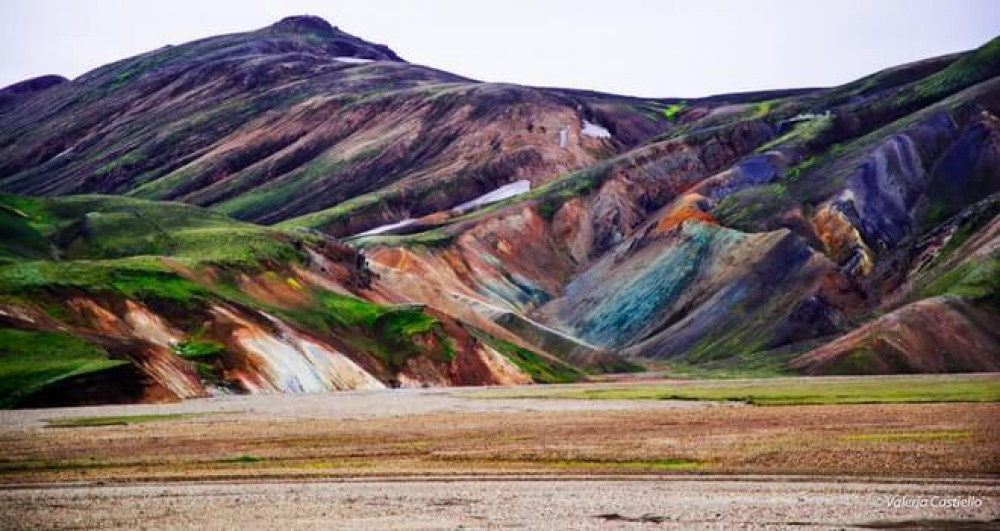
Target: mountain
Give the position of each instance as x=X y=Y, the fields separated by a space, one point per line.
x=429 y=229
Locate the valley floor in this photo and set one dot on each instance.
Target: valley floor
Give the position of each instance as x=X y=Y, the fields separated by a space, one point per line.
x=544 y=503
x=540 y=456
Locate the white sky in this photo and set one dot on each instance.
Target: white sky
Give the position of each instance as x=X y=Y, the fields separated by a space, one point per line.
x=647 y=48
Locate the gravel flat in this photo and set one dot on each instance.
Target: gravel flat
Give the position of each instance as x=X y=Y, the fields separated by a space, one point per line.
x=346 y=405
x=478 y=504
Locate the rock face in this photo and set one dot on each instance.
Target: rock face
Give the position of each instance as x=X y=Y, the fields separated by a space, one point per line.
x=495 y=233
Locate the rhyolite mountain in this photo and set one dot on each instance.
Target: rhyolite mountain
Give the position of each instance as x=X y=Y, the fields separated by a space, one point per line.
x=296 y=209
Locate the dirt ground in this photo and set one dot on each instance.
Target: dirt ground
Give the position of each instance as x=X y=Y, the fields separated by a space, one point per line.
x=478 y=504
x=360 y=457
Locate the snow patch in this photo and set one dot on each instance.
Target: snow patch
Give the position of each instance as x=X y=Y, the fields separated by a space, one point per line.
x=595 y=131
x=354 y=60
x=386 y=228
x=505 y=191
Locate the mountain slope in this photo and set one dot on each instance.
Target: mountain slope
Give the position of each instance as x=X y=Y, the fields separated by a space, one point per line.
x=297 y=117
x=849 y=180
x=813 y=230
x=106 y=299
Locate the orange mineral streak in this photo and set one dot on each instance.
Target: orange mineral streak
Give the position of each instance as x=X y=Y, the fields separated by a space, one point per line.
x=841 y=238
x=685 y=208
x=146 y=340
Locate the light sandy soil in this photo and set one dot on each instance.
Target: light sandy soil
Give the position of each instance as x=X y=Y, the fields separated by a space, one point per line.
x=478 y=504
x=358 y=460
x=344 y=405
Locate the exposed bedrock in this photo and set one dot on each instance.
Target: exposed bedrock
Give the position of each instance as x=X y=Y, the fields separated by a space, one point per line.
x=699 y=289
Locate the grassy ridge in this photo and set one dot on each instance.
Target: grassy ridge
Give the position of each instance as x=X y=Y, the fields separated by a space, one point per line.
x=31 y=360
x=108 y=227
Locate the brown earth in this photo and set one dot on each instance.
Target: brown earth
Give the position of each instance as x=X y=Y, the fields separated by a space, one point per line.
x=448 y=432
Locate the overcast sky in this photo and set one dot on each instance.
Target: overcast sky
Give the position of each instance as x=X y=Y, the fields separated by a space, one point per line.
x=646 y=48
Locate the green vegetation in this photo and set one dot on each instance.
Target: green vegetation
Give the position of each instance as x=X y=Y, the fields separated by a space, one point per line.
x=931 y=435
x=860 y=361
x=541 y=369
x=743 y=365
x=429 y=238
x=977 y=279
x=656 y=464
x=18 y=238
x=671 y=112
x=245 y=458
x=198 y=348
x=979 y=65
x=763 y=108
x=389 y=333
x=802 y=133
x=108 y=228
x=800 y=391
x=350 y=311
x=274 y=194
x=339 y=212
x=139 y=278
x=746 y=207
x=116 y=247
x=32 y=360
x=795 y=172
x=121 y=420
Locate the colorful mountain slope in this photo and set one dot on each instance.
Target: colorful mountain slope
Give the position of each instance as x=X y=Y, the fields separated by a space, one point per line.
x=542 y=231
x=106 y=299
x=643 y=253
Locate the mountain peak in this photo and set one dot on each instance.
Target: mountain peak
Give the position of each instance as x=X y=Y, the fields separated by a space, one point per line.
x=310 y=24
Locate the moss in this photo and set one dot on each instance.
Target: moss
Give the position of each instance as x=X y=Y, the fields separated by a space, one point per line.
x=541 y=370
x=978 y=280
x=405 y=322
x=397 y=330
x=137 y=278
x=795 y=172
x=274 y=194
x=931 y=435
x=389 y=333
x=31 y=360
x=245 y=458
x=121 y=420
x=859 y=361
x=671 y=112
x=653 y=464
x=803 y=133
x=18 y=238
x=979 y=65
x=104 y=227
x=197 y=348
x=439 y=237
x=781 y=391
